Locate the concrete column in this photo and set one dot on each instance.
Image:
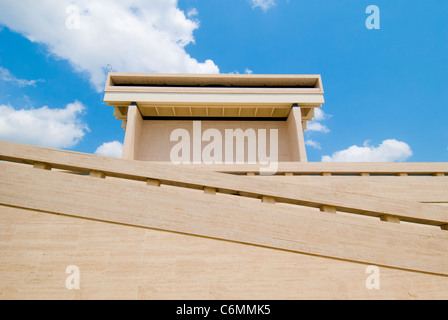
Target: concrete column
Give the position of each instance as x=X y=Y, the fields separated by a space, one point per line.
x=133 y=131
x=295 y=132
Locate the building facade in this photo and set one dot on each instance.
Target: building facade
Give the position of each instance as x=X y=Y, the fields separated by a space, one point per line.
x=214 y=198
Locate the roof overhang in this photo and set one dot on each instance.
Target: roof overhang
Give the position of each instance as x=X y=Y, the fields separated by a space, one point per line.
x=213 y=95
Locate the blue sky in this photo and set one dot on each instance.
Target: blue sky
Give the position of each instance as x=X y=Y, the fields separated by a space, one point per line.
x=385 y=89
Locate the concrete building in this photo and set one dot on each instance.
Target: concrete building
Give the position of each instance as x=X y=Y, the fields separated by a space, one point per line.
x=214 y=199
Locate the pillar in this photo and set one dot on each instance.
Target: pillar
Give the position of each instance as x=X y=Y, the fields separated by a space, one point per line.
x=295 y=132
x=133 y=131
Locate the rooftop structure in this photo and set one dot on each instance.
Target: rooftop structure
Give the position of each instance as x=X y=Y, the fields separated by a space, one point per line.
x=151 y=106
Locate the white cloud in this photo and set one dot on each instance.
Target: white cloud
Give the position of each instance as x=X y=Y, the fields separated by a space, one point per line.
x=248 y=71
x=54 y=128
x=110 y=149
x=131 y=35
x=263 y=4
x=320 y=115
x=388 y=151
x=6 y=76
x=192 y=13
x=317 y=126
x=313 y=144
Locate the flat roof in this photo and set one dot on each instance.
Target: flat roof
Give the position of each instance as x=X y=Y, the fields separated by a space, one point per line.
x=214 y=81
x=214 y=96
